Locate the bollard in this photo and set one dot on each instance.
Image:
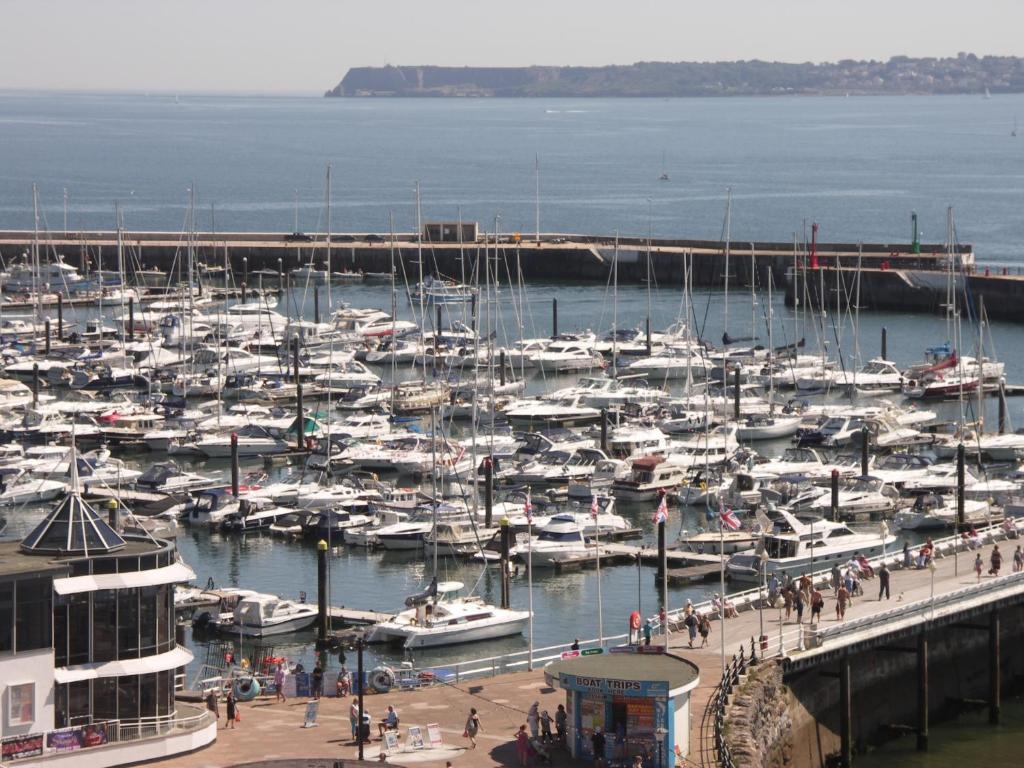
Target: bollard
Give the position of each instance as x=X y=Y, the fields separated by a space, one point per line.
x=234 y=464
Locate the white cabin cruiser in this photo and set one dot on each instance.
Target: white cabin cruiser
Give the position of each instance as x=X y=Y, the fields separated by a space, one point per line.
x=261 y=615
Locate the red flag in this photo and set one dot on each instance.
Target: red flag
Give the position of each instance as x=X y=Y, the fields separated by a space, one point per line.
x=730 y=521
x=661 y=514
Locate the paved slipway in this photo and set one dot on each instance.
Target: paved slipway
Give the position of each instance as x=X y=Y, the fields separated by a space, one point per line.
x=271 y=730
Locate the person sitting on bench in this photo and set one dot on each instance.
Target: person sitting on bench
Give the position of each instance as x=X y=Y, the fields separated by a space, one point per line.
x=389 y=723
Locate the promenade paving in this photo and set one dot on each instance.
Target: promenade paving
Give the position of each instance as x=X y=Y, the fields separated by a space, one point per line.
x=274 y=730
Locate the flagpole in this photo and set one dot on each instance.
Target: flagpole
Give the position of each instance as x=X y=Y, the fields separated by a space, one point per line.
x=529 y=583
x=721 y=576
x=597 y=558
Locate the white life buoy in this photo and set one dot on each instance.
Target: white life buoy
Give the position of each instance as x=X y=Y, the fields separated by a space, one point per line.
x=382 y=679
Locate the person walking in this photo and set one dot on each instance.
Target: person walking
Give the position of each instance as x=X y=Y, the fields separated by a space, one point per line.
x=798 y=603
x=212 y=704
x=841 y=600
x=353 y=718
x=473 y=727
x=231 y=710
x=817 y=603
x=647 y=632
x=690 y=622
x=597 y=742
x=533 y=719
x=883 y=581
x=1018 y=559
x=787 y=601
x=979 y=564
x=318 y=681
x=837 y=578
x=545 y=727
x=279 y=683
x=561 y=717
x=522 y=745
x=996 y=560
x=704 y=627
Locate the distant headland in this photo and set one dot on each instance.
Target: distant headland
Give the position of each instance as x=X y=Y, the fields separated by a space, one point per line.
x=964 y=73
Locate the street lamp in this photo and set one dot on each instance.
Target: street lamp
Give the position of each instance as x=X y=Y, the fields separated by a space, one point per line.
x=761 y=587
x=660 y=733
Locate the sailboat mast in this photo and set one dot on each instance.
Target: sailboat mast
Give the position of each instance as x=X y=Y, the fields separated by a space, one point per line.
x=536 y=197
x=728 y=245
x=419 y=260
x=328 y=238
x=36 y=292
x=394 y=313
x=615 y=307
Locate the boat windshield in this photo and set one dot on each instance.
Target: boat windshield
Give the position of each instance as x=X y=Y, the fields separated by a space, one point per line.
x=560 y=536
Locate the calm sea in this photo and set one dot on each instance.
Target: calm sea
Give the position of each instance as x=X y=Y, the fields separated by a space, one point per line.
x=857 y=166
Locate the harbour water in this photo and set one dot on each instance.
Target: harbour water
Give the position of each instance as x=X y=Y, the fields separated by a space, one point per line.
x=858 y=166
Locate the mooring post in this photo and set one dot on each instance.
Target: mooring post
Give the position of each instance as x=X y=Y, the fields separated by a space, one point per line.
x=131 y=317
x=501 y=367
x=300 y=416
x=488 y=491
x=922 y=692
x=60 y=316
x=835 y=494
x=885 y=343
x=321 y=594
x=865 y=450
x=46 y=344
x=845 y=714
x=604 y=430
x=505 y=538
x=648 y=337
x=960 y=453
x=234 y=464
x=1002 y=408
x=472 y=312
x=554 y=318
x=35 y=384
x=280 y=281
x=736 y=395
x=993 y=668
x=316 y=305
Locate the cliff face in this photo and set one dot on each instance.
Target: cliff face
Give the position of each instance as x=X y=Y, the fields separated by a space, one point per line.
x=966 y=73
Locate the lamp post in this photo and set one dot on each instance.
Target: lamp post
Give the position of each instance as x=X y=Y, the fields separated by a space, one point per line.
x=761 y=588
x=639 y=577
x=932 y=568
x=660 y=733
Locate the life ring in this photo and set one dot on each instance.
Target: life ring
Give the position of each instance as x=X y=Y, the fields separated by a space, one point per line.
x=382 y=679
x=246 y=688
x=634 y=620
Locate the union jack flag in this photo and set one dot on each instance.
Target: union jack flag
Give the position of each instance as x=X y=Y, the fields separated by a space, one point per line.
x=594 y=509
x=661 y=513
x=528 y=508
x=729 y=520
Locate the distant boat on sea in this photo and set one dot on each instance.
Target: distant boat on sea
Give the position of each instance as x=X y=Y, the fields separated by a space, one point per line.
x=1014 y=131
x=664 y=171
x=987 y=94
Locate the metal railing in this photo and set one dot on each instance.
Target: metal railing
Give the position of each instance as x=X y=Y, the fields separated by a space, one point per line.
x=128 y=731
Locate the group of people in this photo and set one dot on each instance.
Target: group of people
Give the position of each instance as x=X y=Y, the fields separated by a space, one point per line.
x=534 y=735
x=231 y=712
x=696 y=623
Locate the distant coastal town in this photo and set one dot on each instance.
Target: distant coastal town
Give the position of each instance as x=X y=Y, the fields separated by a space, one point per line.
x=963 y=74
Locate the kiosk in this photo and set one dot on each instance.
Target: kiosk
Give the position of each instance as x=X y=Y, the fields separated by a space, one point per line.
x=640 y=700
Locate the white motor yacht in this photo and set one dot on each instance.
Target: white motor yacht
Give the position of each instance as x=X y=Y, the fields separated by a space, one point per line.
x=261 y=615
x=440 y=616
x=797 y=547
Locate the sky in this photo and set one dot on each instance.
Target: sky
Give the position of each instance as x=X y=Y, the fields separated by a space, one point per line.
x=306 y=46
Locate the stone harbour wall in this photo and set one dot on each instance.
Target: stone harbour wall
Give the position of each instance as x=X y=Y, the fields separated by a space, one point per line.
x=759 y=727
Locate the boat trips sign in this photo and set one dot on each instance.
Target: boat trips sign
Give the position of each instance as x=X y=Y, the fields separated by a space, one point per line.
x=637 y=688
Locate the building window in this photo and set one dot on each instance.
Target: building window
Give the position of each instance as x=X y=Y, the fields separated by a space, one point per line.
x=148 y=694
x=60 y=631
x=128 y=697
x=164 y=693
x=127 y=624
x=104 y=625
x=148 y=611
x=21 y=704
x=79 y=710
x=164 y=619
x=6 y=617
x=78 y=629
x=104 y=699
x=33 y=615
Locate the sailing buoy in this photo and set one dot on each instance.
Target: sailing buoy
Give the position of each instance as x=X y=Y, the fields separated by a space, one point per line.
x=246 y=688
x=382 y=679
x=634 y=620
